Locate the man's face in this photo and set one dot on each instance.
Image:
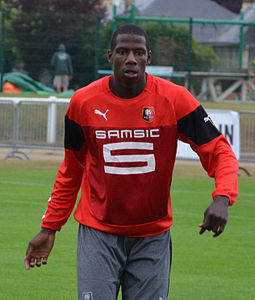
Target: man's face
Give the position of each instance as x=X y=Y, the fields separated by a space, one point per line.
x=129 y=57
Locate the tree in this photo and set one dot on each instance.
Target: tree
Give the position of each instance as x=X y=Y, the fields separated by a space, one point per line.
x=36 y=32
x=60 y=6
x=169 y=46
x=39 y=26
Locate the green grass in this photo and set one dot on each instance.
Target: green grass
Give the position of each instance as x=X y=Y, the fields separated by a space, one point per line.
x=235 y=106
x=30 y=95
x=203 y=268
x=208 y=268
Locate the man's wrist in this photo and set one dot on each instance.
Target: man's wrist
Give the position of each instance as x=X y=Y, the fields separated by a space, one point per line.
x=48 y=230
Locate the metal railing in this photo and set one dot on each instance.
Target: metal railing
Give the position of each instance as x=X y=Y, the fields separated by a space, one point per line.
x=32 y=123
x=38 y=123
x=247 y=135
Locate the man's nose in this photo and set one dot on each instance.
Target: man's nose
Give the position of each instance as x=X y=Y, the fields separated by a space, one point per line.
x=131 y=57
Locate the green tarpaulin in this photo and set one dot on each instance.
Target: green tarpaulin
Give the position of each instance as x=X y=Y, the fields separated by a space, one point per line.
x=27 y=84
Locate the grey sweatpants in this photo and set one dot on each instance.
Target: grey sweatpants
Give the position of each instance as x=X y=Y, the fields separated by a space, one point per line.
x=141 y=266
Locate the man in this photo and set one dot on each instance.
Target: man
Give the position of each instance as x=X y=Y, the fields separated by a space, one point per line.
x=62 y=67
x=120 y=145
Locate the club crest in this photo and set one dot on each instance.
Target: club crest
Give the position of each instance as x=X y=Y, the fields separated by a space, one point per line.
x=148 y=114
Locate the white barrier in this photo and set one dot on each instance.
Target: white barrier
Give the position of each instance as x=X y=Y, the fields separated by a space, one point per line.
x=39 y=123
x=31 y=128
x=227 y=122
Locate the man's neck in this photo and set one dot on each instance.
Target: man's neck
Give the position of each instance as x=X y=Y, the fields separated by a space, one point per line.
x=125 y=90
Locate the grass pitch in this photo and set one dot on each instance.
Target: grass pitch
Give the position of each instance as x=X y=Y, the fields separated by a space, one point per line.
x=203 y=267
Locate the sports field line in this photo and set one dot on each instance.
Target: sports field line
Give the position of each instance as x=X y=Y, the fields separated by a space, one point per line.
x=24 y=202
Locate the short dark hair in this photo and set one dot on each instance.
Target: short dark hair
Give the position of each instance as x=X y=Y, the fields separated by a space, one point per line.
x=132 y=29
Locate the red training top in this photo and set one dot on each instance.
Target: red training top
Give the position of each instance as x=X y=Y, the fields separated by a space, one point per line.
x=121 y=152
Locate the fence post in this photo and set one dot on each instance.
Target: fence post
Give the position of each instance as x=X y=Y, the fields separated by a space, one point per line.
x=15 y=153
x=2 y=48
x=190 y=52
x=243 y=90
x=241 y=40
x=114 y=23
x=52 y=121
x=97 y=38
x=132 y=15
x=15 y=126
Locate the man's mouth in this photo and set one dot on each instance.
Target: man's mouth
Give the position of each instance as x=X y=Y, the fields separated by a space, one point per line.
x=130 y=73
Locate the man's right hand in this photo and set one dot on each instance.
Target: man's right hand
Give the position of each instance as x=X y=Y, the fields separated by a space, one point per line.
x=39 y=248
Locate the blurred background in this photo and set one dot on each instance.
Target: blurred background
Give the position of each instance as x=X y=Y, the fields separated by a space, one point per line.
x=31 y=32
x=206 y=45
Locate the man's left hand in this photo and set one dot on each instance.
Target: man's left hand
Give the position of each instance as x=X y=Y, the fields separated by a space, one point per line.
x=216 y=216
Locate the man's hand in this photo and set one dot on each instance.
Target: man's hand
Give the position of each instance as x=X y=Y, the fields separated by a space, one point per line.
x=216 y=216
x=39 y=248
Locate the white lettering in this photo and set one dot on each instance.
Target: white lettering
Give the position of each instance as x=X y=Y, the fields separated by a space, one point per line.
x=128 y=133
x=113 y=133
x=139 y=133
x=100 y=134
x=148 y=158
x=152 y=132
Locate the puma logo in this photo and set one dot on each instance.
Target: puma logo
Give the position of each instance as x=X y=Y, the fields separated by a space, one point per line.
x=207 y=119
x=98 y=112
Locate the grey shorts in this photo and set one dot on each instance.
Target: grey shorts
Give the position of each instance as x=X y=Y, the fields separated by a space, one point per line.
x=141 y=266
x=61 y=81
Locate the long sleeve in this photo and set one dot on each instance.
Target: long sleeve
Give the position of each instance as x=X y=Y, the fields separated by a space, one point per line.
x=64 y=194
x=69 y=176
x=213 y=149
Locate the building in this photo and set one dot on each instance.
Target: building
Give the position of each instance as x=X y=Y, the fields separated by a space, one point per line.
x=226 y=41
x=223 y=38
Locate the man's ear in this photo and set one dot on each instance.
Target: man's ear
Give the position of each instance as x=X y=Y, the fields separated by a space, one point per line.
x=149 y=57
x=109 y=54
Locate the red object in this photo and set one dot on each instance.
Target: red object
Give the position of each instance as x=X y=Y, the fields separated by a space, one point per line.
x=10 y=88
x=124 y=163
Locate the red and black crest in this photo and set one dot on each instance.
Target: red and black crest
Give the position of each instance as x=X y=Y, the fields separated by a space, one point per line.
x=148 y=114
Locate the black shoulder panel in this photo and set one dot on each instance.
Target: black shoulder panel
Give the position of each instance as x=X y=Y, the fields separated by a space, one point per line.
x=74 y=137
x=198 y=127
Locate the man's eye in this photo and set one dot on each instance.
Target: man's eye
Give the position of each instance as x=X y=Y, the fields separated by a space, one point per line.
x=139 y=53
x=122 y=52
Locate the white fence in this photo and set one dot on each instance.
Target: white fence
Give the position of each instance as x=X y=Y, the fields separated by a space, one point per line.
x=32 y=123
x=39 y=123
